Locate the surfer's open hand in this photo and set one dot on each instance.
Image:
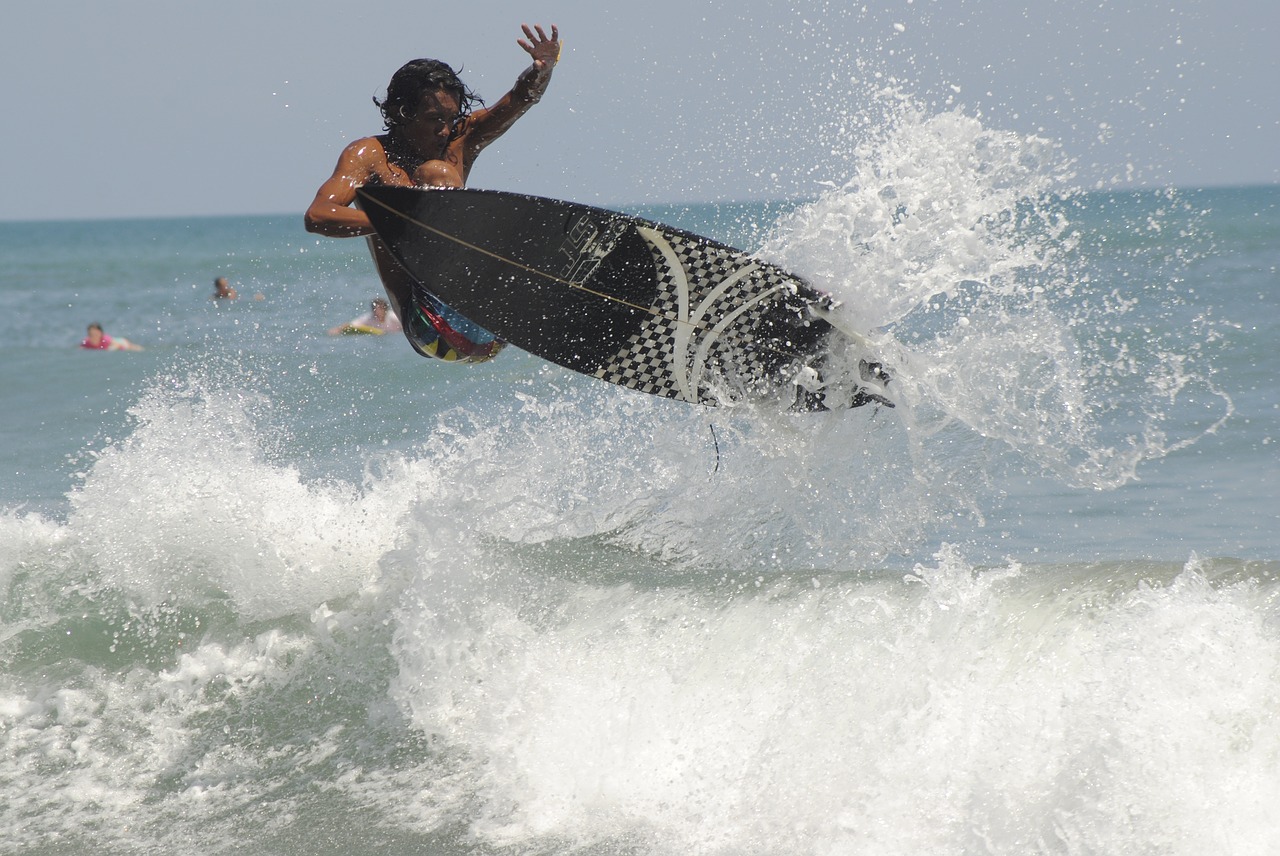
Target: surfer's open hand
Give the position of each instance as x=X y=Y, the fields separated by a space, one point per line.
x=544 y=50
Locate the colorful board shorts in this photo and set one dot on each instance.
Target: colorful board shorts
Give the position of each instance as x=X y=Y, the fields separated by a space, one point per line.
x=437 y=331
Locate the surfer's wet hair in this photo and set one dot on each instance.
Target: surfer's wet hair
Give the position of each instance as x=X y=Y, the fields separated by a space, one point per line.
x=416 y=78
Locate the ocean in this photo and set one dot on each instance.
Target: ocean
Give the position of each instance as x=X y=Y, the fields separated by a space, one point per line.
x=267 y=591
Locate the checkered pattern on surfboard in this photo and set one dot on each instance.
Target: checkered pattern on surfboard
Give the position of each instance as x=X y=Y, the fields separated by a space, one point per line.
x=747 y=354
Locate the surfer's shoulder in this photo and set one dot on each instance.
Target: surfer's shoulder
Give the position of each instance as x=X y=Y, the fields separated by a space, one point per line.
x=365 y=162
x=366 y=149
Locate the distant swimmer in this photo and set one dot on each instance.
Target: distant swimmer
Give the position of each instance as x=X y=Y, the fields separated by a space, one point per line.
x=379 y=319
x=434 y=134
x=96 y=340
x=222 y=290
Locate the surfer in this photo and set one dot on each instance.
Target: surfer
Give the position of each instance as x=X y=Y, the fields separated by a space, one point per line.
x=435 y=128
x=222 y=290
x=379 y=319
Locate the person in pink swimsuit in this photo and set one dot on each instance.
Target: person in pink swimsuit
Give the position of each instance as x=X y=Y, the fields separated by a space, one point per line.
x=96 y=340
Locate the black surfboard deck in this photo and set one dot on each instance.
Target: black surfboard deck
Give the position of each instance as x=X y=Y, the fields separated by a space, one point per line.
x=626 y=300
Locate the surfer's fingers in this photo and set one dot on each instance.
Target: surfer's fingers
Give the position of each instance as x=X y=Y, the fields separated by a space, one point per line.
x=541 y=33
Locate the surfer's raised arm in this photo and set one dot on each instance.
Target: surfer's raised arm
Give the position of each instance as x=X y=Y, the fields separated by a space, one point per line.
x=492 y=122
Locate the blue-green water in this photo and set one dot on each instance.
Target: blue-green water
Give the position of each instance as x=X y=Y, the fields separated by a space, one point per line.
x=267 y=591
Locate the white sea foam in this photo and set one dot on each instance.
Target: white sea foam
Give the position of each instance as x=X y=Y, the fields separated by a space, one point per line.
x=892 y=716
x=189 y=506
x=953 y=246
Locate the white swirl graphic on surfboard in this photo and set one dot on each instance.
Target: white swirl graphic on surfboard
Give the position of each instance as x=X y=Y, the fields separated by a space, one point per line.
x=693 y=311
x=689 y=370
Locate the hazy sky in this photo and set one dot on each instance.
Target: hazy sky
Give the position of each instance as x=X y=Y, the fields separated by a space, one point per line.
x=164 y=107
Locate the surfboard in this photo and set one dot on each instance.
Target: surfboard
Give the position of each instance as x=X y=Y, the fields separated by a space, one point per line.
x=626 y=300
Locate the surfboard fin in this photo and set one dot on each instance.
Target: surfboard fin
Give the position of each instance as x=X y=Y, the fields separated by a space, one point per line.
x=808 y=401
x=812 y=393
x=874 y=372
x=863 y=396
x=816 y=402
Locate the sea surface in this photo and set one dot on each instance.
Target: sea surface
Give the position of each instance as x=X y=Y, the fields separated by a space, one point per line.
x=266 y=591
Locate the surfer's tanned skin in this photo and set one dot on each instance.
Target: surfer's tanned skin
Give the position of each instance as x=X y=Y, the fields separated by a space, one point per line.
x=433 y=138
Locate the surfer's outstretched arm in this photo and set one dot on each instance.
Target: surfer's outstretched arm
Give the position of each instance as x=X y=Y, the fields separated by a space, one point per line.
x=492 y=122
